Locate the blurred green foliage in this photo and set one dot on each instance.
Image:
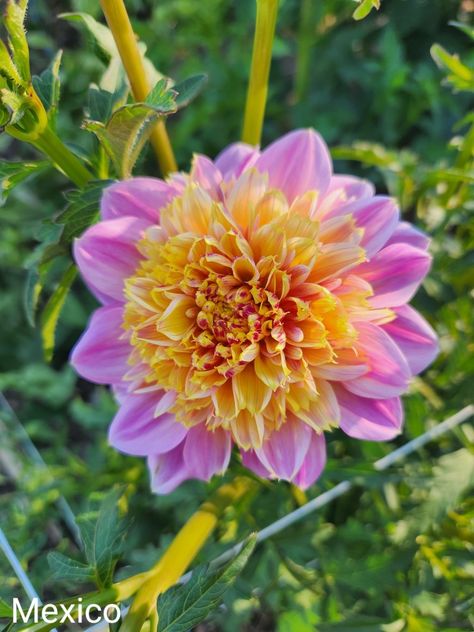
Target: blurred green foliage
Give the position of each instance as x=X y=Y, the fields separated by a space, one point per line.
x=395 y=553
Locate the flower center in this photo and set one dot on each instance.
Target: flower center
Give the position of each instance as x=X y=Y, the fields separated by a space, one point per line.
x=230 y=324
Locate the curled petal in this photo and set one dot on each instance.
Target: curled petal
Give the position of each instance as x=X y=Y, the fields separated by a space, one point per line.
x=106 y=255
x=296 y=163
x=233 y=161
x=388 y=372
x=135 y=429
x=342 y=192
x=313 y=463
x=207 y=452
x=371 y=419
x=406 y=233
x=395 y=274
x=138 y=197
x=415 y=338
x=168 y=470
x=101 y=353
x=284 y=451
x=251 y=461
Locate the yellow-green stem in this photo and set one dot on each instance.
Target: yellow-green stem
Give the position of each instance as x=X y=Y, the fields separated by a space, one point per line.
x=267 y=11
x=62 y=158
x=119 y=23
x=181 y=552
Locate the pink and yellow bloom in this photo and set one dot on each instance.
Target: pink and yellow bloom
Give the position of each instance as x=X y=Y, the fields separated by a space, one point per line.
x=257 y=301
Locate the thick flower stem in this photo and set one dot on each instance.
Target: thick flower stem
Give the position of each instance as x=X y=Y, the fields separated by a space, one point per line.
x=62 y=158
x=181 y=552
x=267 y=11
x=119 y=23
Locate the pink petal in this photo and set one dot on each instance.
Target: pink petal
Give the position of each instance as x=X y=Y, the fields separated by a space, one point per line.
x=395 y=274
x=379 y=218
x=135 y=429
x=252 y=462
x=313 y=463
x=106 y=255
x=207 y=452
x=237 y=157
x=372 y=419
x=283 y=453
x=415 y=338
x=168 y=470
x=101 y=353
x=388 y=373
x=343 y=191
x=138 y=197
x=406 y=233
x=296 y=163
x=205 y=172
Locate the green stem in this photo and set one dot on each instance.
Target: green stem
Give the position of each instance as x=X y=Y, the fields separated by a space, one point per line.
x=267 y=11
x=62 y=158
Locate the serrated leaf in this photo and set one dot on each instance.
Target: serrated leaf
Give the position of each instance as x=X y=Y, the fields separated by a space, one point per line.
x=14 y=23
x=13 y=173
x=364 y=8
x=52 y=311
x=6 y=611
x=65 y=568
x=103 y=539
x=48 y=86
x=126 y=132
x=188 y=89
x=81 y=211
x=183 y=607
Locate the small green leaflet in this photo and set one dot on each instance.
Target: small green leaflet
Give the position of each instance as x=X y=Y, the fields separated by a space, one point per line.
x=364 y=8
x=101 y=103
x=126 y=132
x=103 y=539
x=13 y=173
x=63 y=567
x=52 y=310
x=188 y=89
x=14 y=23
x=183 y=607
x=460 y=76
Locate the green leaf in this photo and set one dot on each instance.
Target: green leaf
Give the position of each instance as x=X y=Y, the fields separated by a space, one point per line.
x=188 y=89
x=364 y=8
x=126 y=132
x=81 y=211
x=7 y=67
x=6 y=611
x=52 y=311
x=33 y=288
x=183 y=607
x=103 y=539
x=101 y=103
x=13 y=173
x=48 y=85
x=101 y=34
x=460 y=76
x=14 y=23
x=63 y=567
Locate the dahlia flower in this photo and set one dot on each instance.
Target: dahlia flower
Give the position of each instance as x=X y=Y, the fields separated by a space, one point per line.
x=258 y=302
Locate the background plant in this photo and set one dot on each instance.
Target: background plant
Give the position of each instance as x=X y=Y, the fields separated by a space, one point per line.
x=393 y=554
